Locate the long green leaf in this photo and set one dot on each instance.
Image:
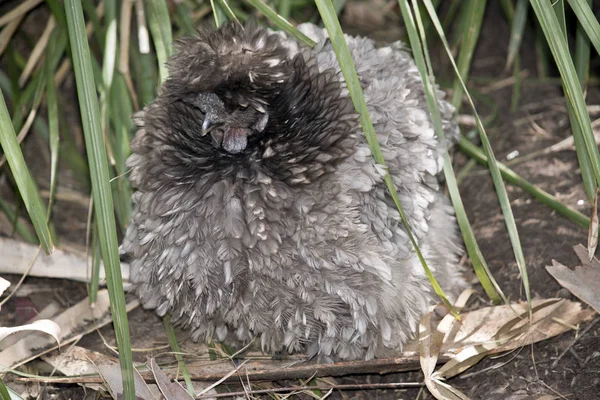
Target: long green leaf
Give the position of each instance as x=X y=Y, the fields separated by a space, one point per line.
x=172 y=338
x=421 y=57
x=160 y=28
x=20 y=228
x=473 y=17
x=582 y=53
x=516 y=31
x=53 y=129
x=587 y=20
x=492 y=164
x=340 y=47
x=227 y=10
x=183 y=16
x=27 y=187
x=585 y=166
x=542 y=196
x=101 y=191
x=571 y=86
x=281 y=22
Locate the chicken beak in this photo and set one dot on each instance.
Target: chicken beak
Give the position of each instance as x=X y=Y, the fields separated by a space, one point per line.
x=206 y=125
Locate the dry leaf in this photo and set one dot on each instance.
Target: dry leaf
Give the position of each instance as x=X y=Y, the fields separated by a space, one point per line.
x=77 y=361
x=71 y=322
x=431 y=336
x=442 y=391
x=550 y=318
x=486 y=331
x=171 y=390
x=44 y=325
x=47 y=313
x=17 y=255
x=112 y=376
x=4 y=284
x=583 y=281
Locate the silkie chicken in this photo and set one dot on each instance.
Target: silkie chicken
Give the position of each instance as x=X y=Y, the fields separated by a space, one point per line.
x=259 y=211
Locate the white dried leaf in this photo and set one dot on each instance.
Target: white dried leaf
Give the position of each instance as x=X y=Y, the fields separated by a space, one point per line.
x=44 y=325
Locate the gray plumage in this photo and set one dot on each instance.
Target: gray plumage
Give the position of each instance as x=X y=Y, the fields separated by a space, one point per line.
x=259 y=211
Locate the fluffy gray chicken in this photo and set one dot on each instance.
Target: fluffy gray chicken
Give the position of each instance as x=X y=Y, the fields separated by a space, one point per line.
x=259 y=211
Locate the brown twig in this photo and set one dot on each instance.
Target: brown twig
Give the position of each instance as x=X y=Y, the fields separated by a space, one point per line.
x=271 y=371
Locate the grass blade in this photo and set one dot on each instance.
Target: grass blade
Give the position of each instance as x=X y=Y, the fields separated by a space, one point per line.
x=160 y=29
x=423 y=62
x=143 y=62
x=20 y=228
x=492 y=164
x=338 y=42
x=512 y=177
x=101 y=191
x=473 y=17
x=184 y=17
x=516 y=31
x=587 y=20
x=27 y=187
x=583 y=159
x=281 y=22
x=285 y=8
x=582 y=53
x=218 y=14
x=580 y=120
x=227 y=10
x=53 y=128
x=172 y=338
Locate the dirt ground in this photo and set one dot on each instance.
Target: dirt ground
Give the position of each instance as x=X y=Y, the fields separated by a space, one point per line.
x=540 y=121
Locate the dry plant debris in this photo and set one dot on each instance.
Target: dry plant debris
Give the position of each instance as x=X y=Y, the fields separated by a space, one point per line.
x=583 y=280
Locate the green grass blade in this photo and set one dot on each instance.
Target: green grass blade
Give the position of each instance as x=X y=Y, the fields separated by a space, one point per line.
x=512 y=177
x=285 y=8
x=27 y=187
x=508 y=7
x=91 y=14
x=516 y=89
x=4 y=395
x=218 y=14
x=109 y=57
x=580 y=120
x=583 y=159
x=172 y=338
x=19 y=227
x=184 y=18
x=492 y=164
x=160 y=29
x=281 y=22
x=542 y=53
x=53 y=128
x=96 y=259
x=338 y=6
x=420 y=53
x=582 y=53
x=227 y=10
x=142 y=61
x=587 y=20
x=516 y=31
x=473 y=17
x=448 y=17
x=122 y=126
x=101 y=191
x=340 y=47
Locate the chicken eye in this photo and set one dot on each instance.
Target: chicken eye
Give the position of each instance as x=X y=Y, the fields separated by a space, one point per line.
x=243 y=107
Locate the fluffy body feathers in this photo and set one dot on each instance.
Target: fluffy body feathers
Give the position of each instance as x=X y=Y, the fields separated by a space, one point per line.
x=260 y=212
